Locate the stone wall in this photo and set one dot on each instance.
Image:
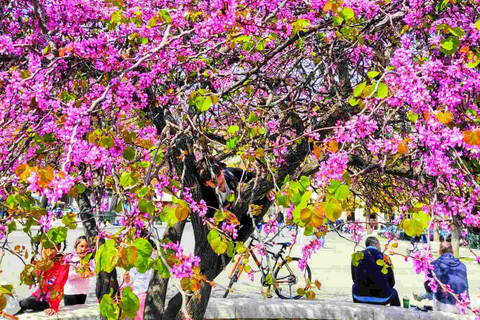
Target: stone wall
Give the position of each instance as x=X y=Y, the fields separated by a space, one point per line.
x=253 y=309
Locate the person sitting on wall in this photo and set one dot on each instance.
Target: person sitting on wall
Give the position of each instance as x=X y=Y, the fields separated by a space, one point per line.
x=448 y=270
x=373 y=282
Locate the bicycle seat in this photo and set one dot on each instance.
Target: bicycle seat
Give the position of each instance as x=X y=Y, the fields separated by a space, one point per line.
x=285 y=244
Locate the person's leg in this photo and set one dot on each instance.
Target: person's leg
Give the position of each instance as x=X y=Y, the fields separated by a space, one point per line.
x=141 y=297
x=82 y=298
x=31 y=303
x=394 y=299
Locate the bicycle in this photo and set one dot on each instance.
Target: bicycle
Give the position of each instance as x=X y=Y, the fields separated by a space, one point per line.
x=286 y=272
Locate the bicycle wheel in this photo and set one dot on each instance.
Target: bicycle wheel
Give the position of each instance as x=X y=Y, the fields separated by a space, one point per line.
x=232 y=281
x=288 y=278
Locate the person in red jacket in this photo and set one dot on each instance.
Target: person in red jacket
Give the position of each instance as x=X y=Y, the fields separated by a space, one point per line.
x=50 y=292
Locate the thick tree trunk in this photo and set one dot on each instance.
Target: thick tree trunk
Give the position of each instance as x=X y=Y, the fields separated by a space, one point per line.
x=455 y=237
x=211 y=264
x=105 y=281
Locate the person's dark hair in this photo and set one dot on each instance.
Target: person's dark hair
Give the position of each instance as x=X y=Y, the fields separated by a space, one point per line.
x=203 y=169
x=445 y=247
x=77 y=242
x=371 y=242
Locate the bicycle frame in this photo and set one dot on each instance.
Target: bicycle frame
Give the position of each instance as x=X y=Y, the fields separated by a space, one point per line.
x=249 y=252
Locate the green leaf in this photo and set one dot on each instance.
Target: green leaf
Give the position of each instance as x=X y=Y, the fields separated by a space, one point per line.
x=353 y=102
x=347 y=13
x=477 y=25
x=450 y=45
x=231 y=143
x=127 y=257
x=203 y=103
x=356 y=257
x=168 y=215
x=305 y=181
x=127 y=180
x=333 y=210
x=130 y=303
x=472 y=65
x=240 y=247
x=308 y=231
x=230 y=249
x=413 y=228
x=233 y=129
x=129 y=153
x=382 y=91
x=107 y=142
x=25 y=74
x=143 y=192
x=216 y=242
x=373 y=74
x=117 y=16
x=441 y=5
x=58 y=235
x=108 y=308
x=458 y=32
x=12 y=226
x=69 y=221
x=166 y=16
x=342 y=192
x=359 y=89
x=145 y=250
x=334 y=185
x=231 y=197
x=252 y=117
x=269 y=279
x=107 y=256
x=146 y=206
x=219 y=216
x=152 y=22
x=412 y=117
x=161 y=268
x=260 y=45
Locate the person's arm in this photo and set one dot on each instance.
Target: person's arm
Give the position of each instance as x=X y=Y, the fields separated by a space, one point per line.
x=242 y=176
x=353 y=269
x=73 y=275
x=391 y=276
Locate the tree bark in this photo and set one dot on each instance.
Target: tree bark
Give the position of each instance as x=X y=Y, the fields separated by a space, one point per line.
x=455 y=237
x=105 y=281
x=436 y=234
x=211 y=264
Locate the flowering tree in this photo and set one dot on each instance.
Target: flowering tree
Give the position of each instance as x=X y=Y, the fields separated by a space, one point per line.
x=373 y=98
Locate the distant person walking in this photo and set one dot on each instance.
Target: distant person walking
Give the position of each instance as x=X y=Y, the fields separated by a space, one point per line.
x=370 y=284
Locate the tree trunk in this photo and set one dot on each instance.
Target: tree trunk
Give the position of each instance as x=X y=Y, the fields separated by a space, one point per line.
x=455 y=237
x=105 y=280
x=436 y=234
x=211 y=264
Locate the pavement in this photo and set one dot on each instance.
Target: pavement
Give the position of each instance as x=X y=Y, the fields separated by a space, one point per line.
x=331 y=266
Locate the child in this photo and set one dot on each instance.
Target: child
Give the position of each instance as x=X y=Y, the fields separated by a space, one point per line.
x=139 y=284
x=50 y=292
x=76 y=288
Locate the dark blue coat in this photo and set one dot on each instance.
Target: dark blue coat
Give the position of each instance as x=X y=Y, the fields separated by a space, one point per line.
x=449 y=270
x=368 y=279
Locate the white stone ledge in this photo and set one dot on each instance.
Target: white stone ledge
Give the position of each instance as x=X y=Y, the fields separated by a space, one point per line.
x=239 y=308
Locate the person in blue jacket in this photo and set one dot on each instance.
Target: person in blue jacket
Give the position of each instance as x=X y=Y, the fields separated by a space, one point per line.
x=373 y=281
x=448 y=270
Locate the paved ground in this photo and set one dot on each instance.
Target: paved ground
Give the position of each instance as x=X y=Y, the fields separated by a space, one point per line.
x=331 y=266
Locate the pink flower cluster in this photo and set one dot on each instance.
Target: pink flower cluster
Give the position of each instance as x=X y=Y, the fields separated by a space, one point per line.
x=307 y=251
x=332 y=169
x=200 y=208
x=183 y=268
